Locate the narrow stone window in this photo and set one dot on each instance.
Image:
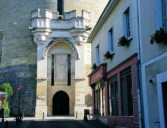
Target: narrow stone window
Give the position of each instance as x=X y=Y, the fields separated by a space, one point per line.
x=60 y=7
x=1 y=43
x=69 y=70
x=52 y=71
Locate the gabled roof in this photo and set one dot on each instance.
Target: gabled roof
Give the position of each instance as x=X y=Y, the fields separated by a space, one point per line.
x=107 y=11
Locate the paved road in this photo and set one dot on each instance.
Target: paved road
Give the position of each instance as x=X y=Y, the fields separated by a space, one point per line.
x=56 y=124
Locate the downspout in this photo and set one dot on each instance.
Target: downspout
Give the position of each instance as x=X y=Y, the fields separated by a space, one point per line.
x=137 y=9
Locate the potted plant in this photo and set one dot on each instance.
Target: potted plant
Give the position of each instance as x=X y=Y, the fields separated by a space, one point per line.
x=123 y=41
x=87 y=27
x=94 y=66
x=5 y=87
x=108 y=55
x=159 y=36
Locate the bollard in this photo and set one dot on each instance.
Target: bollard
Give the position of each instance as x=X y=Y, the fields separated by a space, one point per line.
x=85 y=115
x=17 y=121
x=6 y=126
x=76 y=115
x=2 y=114
x=43 y=116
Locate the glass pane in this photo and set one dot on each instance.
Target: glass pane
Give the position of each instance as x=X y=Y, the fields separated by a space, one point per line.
x=109 y=98
x=165 y=25
x=104 y=110
x=116 y=98
x=95 y=103
x=130 y=95
x=113 y=98
x=101 y=103
x=112 y=79
x=102 y=83
x=124 y=96
x=126 y=71
x=60 y=7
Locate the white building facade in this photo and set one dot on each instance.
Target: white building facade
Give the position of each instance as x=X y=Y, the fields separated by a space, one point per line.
x=153 y=16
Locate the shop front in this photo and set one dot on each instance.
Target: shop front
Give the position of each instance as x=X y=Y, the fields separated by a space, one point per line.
x=114 y=93
x=97 y=81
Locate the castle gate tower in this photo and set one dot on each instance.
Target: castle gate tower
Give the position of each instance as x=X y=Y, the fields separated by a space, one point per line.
x=43 y=47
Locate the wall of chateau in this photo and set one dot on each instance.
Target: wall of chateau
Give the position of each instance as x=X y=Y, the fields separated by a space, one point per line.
x=19 y=52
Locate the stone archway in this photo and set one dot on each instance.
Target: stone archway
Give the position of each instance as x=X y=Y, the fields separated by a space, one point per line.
x=68 y=42
x=61 y=103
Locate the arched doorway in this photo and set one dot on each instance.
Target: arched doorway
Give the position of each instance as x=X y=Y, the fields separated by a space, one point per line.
x=61 y=103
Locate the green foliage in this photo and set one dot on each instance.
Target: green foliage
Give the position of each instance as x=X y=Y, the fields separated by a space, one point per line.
x=159 y=36
x=123 y=41
x=5 y=87
x=108 y=55
x=94 y=66
x=5 y=104
x=87 y=27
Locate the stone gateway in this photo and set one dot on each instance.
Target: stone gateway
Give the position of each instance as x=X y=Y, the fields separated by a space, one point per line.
x=43 y=47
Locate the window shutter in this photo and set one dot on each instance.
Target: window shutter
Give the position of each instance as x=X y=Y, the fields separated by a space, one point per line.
x=109 y=41
x=130 y=16
x=112 y=39
x=124 y=24
x=159 y=22
x=97 y=56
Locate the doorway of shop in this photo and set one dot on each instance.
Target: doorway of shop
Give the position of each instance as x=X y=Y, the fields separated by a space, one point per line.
x=61 y=103
x=164 y=94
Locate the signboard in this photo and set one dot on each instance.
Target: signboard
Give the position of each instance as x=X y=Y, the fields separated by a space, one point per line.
x=19 y=88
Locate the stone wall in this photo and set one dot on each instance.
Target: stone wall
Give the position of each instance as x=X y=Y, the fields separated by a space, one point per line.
x=19 y=52
x=25 y=75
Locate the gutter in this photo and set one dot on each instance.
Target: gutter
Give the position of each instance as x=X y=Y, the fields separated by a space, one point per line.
x=138 y=64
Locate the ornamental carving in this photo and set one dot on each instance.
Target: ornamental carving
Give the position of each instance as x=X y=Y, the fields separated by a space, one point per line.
x=61 y=40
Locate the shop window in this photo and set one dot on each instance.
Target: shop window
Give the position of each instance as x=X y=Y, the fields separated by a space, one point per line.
x=99 y=93
x=127 y=24
x=113 y=96
x=111 y=40
x=60 y=6
x=126 y=92
x=97 y=56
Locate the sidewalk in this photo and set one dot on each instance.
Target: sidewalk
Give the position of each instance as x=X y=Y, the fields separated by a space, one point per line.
x=28 y=120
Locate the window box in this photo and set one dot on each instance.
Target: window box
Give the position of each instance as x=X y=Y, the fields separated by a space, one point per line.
x=108 y=55
x=94 y=66
x=123 y=41
x=160 y=36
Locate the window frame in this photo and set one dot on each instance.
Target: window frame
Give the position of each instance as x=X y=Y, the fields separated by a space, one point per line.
x=121 y=77
x=97 y=55
x=164 y=15
x=99 y=100
x=111 y=40
x=127 y=23
x=110 y=103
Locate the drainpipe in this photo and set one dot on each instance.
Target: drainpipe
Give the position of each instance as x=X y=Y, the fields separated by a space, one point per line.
x=137 y=9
